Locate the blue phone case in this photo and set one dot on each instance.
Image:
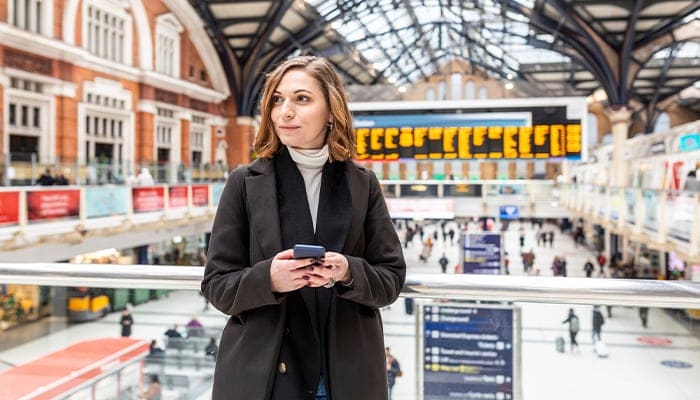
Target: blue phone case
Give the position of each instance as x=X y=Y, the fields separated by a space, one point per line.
x=308 y=251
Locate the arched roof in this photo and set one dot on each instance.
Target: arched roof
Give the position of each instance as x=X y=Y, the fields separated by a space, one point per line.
x=642 y=53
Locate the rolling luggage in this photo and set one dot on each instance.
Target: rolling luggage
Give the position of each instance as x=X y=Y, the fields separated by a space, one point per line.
x=601 y=349
x=560 y=344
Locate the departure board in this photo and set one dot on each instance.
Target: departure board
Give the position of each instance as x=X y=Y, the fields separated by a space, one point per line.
x=469 y=352
x=508 y=134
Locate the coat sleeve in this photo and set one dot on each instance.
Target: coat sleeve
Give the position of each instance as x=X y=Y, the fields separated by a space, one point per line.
x=230 y=283
x=379 y=274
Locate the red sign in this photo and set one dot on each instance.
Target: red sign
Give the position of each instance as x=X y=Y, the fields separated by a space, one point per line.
x=177 y=196
x=48 y=204
x=200 y=195
x=9 y=207
x=655 y=341
x=148 y=198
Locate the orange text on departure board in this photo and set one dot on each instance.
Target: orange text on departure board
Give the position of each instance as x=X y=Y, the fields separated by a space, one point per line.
x=478 y=142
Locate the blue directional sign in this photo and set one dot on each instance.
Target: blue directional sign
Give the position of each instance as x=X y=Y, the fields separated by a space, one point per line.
x=481 y=253
x=508 y=212
x=468 y=353
x=676 y=364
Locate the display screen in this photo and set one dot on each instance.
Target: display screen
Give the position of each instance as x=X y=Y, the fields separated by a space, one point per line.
x=509 y=133
x=508 y=212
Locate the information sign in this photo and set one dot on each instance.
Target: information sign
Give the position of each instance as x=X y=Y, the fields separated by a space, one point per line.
x=503 y=130
x=481 y=253
x=468 y=352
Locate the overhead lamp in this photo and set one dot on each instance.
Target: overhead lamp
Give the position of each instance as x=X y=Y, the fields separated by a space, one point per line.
x=509 y=76
x=509 y=85
x=391 y=80
x=402 y=89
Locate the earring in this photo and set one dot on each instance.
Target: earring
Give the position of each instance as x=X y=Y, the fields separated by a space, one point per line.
x=330 y=125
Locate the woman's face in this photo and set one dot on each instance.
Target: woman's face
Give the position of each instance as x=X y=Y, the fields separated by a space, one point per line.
x=299 y=111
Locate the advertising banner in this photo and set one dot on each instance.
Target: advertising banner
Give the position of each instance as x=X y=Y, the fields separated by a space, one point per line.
x=148 y=199
x=177 y=196
x=9 y=208
x=49 y=204
x=106 y=201
x=468 y=352
x=481 y=253
x=200 y=195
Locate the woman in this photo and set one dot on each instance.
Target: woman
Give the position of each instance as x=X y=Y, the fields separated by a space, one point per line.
x=154 y=390
x=393 y=370
x=300 y=330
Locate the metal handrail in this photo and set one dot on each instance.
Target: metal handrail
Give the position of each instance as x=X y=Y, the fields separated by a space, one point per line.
x=535 y=289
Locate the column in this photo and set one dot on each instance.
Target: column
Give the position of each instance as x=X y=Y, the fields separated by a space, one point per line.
x=620 y=118
x=144 y=139
x=185 y=141
x=239 y=136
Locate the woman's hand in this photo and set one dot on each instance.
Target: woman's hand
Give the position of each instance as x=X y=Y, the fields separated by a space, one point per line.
x=334 y=266
x=288 y=274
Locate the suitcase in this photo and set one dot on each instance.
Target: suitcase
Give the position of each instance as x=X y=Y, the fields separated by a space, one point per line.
x=601 y=349
x=560 y=344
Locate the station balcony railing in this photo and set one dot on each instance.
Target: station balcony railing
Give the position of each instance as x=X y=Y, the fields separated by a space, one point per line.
x=535 y=370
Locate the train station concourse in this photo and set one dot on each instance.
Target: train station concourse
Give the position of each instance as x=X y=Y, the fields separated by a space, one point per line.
x=536 y=166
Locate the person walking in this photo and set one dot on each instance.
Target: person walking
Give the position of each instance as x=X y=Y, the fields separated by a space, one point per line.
x=598 y=321
x=644 y=315
x=302 y=328
x=601 y=262
x=588 y=267
x=573 y=321
x=154 y=389
x=126 y=321
x=443 y=263
x=393 y=370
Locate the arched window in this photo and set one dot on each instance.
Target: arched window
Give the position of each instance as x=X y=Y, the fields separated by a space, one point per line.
x=469 y=90
x=430 y=94
x=483 y=92
x=456 y=86
x=663 y=123
x=441 y=91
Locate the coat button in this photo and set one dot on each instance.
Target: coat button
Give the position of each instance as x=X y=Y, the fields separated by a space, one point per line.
x=286 y=331
x=282 y=368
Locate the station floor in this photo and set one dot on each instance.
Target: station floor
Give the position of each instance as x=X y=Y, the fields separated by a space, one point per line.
x=634 y=369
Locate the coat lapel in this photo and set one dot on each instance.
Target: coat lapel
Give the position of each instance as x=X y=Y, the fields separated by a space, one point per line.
x=334 y=207
x=262 y=203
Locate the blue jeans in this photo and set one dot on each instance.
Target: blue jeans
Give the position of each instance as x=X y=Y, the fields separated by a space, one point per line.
x=321 y=391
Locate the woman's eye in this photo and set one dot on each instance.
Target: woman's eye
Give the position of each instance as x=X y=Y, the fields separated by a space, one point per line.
x=303 y=99
x=276 y=99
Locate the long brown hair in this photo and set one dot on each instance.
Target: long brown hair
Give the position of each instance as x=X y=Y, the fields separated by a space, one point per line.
x=340 y=136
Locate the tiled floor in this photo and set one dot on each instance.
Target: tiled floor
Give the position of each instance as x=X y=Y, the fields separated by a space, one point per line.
x=632 y=371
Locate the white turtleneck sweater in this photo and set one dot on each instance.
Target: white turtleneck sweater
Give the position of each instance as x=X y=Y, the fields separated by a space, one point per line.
x=310 y=163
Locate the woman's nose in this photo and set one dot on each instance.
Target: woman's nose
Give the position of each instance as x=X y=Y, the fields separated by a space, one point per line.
x=287 y=110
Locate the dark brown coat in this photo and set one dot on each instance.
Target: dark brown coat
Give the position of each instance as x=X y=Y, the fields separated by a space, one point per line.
x=245 y=237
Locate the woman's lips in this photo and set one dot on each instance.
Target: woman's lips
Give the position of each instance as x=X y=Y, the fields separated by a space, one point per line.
x=288 y=128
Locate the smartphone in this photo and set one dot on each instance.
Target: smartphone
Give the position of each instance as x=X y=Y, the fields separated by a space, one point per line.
x=309 y=251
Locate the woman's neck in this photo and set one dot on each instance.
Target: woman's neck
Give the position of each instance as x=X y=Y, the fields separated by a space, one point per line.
x=309 y=157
